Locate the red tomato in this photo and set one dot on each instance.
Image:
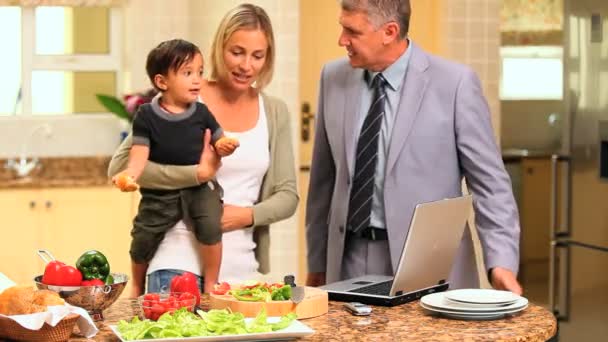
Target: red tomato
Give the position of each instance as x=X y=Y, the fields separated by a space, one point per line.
x=92 y=282
x=158 y=309
x=221 y=289
x=151 y=296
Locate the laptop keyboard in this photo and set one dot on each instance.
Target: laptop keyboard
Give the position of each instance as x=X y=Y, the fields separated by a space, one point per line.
x=381 y=289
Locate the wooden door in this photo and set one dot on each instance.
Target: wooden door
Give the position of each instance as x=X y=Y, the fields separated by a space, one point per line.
x=319 y=32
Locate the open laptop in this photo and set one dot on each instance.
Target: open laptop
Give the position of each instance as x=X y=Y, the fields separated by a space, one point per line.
x=426 y=259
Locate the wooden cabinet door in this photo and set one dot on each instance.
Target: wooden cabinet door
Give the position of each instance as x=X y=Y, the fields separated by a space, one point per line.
x=81 y=219
x=20 y=235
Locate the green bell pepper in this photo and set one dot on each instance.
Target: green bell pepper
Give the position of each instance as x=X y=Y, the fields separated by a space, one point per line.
x=93 y=265
x=109 y=280
x=282 y=293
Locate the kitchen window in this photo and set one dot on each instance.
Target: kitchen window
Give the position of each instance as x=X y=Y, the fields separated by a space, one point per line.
x=531 y=73
x=62 y=57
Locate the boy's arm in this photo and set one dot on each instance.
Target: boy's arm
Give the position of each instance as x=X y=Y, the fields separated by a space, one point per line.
x=138 y=158
x=166 y=177
x=223 y=145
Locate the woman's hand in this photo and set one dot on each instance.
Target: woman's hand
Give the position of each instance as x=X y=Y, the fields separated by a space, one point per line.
x=209 y=162
x=235 y=217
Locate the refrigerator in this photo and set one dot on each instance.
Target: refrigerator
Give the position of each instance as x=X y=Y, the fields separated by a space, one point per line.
x=578 y=270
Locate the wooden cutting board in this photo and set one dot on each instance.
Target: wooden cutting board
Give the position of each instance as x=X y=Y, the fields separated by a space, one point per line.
x=315 y=304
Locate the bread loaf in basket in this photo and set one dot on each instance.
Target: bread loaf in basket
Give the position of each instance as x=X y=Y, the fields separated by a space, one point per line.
x=26 y=300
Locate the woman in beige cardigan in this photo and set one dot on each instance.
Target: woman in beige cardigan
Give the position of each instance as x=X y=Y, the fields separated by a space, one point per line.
x=259 y=179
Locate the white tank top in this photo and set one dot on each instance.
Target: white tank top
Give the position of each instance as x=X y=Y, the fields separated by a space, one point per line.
x=241 y=177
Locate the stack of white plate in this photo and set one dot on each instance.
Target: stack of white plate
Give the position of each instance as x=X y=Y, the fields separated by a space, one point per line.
x=474 y=304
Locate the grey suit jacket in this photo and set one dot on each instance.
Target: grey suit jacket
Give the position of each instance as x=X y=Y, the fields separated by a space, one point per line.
x=442 y=133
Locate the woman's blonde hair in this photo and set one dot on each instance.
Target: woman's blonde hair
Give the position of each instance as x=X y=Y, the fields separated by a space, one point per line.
x=243 y=17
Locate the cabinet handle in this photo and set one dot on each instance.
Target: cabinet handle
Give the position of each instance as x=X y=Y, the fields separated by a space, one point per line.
x=32 y=204
x=48 y=204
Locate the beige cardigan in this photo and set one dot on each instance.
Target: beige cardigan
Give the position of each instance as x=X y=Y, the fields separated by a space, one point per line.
x=278 y=196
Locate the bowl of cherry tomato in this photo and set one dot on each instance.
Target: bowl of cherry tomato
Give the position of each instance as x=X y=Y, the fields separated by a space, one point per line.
x=154 y=305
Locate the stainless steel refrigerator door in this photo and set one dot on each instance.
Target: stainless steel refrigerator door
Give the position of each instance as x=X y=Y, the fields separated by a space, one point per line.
x=588 y=304
x=579 y=262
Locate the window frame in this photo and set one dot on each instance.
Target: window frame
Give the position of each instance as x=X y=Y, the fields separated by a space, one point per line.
x=30 y=61
x=529 y=52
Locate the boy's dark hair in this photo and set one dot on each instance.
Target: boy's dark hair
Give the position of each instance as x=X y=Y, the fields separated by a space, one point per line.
x=169 y=55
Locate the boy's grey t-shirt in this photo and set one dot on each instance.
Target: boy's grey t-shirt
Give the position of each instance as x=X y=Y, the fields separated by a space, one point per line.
x=174 y=139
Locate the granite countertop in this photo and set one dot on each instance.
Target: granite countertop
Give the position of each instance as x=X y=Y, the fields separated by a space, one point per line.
x=406 y=322
x=59 y=172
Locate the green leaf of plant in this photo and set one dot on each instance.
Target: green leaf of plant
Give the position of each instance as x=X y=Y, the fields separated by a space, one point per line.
x=114 y=105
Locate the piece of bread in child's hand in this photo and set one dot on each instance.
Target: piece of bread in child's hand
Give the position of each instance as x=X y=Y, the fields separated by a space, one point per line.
x=226 y=145
x=227 y=140
x=125 y=183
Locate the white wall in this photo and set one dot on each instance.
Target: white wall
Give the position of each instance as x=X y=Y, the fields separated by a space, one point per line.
x=70 y=135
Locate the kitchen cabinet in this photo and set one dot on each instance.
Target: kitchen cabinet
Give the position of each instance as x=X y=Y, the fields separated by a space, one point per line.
x=67 y=222
x=21 y=235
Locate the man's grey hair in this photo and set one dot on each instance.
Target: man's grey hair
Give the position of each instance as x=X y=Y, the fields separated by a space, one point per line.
x=382 y=11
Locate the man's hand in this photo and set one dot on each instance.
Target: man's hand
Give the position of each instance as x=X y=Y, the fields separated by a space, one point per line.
x=315 y=279
x=503 y=279
x=209 y=162
x=235 y=217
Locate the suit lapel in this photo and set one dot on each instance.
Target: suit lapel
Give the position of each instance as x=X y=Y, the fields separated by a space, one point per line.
x=416 y=82
x=352 y=97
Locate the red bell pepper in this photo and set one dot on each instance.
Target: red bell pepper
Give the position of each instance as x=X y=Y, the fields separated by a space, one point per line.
x=187 y=282
x=58 y=273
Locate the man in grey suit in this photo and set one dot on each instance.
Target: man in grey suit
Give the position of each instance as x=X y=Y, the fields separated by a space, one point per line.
x=397 y=127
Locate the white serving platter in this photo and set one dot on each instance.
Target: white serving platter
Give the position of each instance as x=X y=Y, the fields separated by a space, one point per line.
x=297 y=329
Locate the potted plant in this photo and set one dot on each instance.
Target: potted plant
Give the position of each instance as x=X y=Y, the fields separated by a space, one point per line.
x=127 y=107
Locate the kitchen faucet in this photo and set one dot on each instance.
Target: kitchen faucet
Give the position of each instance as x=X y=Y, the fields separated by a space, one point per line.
x=23 y=166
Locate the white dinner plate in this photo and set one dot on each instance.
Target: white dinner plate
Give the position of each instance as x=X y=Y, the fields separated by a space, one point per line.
x=439 y=301
x=472 y=315
x=482 y=296
x=478 y=305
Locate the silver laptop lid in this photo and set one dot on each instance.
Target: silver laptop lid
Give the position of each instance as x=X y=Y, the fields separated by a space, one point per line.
x=430 y=247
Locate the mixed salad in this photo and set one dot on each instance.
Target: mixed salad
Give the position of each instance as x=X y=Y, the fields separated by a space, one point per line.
x=183 y=323
x=255 y=291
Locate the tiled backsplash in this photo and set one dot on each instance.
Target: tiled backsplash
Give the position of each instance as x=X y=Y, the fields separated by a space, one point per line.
x=471 y=36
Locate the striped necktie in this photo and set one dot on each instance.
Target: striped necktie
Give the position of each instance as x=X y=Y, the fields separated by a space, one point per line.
x=362 y=189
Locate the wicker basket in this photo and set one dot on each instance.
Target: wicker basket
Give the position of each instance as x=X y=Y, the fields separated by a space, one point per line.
x=61 y=332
